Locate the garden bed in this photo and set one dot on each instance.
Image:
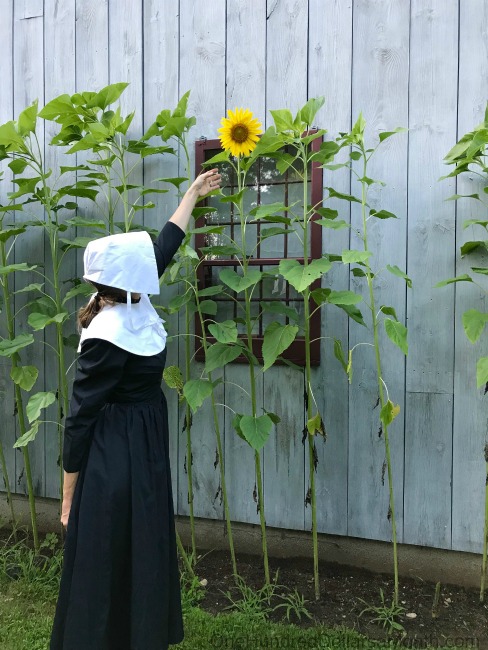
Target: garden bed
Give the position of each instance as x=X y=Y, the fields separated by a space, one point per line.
x=460 y=617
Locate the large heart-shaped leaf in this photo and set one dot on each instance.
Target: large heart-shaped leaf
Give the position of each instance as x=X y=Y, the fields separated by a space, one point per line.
x=301 y=277
x=28 y=436
x=474 y=322
x=38 y=402
x=24 y=376
x=240 y=282
x=397 y=332
x=196 y=391
x=255 y=429
x=224 y=332
x=220 y=354
x=277 y=338
x=8 y=347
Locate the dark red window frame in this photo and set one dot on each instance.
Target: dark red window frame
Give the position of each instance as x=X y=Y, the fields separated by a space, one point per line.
x=296 y=351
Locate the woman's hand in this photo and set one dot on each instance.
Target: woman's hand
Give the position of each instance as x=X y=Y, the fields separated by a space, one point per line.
x=206 y=182
x=65 y=510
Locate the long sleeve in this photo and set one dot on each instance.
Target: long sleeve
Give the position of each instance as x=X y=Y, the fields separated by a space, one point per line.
x=100 y=367
x=166 y=245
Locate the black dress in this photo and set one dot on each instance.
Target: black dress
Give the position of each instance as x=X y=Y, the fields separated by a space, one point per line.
x=120 y=586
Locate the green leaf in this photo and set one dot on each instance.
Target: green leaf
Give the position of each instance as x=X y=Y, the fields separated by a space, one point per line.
x=471 y=246
x=354 y=257
x=339 y=354
x=344 y=298
x=345 y=197
x=35 y=286
x=82 y=222
x=256 y=430
x=220 y=354
x=481 y=271
x=173 y=378
x=474 y=323
x=482 y=372
x=272 y=232
x=107 y=96
x=310 y=110
x=301 y=277
x=40 y=321
x=82 y=289
x=277 y=338
x=208 y=307
x=280 y=308
x=354 y=313
x=315 y=425
x=387 y=134
x=22 y=266
x=18 y=165
x=382 y=214
x=38 y=402
x=10 y=232
x=28 y=436
x=389 y=412
x=8 y=347
x=340 y=224
x=474 y=222
x=210 y=291
x=223 y=156
x=27 y=120
x=283 y=120
x=389 y=311
x=10 y=139
x=400 y=274
x=224 y=332
x=24 y=376
x=460 y=278
x=239 y=282
x=397 y=332
x=196 y=391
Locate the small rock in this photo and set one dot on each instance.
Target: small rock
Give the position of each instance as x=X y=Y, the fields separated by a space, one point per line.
x=411 y=615
x=204 y=582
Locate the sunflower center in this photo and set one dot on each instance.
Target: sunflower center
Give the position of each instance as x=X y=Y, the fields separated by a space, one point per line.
x=240 y=133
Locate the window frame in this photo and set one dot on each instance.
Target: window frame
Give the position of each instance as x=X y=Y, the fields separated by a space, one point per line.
x=296 y=351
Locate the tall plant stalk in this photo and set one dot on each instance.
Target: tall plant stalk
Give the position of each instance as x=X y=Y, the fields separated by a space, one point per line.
x=241 y=184
x=19 y=405
x=396 y=331
x=469 y=156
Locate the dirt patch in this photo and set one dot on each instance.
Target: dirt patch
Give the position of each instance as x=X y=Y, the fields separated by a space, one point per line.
x=459 y=620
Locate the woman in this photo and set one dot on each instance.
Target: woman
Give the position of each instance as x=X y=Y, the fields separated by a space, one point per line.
x=120 y=585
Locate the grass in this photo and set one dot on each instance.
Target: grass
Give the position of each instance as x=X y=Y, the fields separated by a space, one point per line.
x=28 y=592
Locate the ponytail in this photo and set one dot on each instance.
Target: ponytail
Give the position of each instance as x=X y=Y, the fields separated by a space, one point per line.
x=105 y=296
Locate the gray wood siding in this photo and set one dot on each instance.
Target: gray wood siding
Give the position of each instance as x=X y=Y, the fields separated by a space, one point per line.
x=421 y=64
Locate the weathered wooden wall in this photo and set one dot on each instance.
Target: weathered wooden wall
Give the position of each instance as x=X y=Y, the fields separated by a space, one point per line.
x=421 y=64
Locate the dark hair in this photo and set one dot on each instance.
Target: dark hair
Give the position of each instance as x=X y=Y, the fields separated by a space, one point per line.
x=105 y=296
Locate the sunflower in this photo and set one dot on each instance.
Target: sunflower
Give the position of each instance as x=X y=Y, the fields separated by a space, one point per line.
x=239 y=132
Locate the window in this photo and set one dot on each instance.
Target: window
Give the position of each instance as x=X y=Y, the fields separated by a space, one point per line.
x=265 y=185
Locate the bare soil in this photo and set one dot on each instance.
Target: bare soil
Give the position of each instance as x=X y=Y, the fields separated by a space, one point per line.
x=459 y=620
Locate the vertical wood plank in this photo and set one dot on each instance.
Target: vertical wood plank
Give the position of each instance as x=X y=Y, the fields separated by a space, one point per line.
x=246 y=88
x=161 y=43
x=29 y=85
x=429 y=379
x=329 y=74
x=285 y=475
x=59 y=65
x=7 y=432
x=470 y=424
x=202 y=69
x=380 y=91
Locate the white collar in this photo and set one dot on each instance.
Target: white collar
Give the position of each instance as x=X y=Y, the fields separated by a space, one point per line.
x=136 y=327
